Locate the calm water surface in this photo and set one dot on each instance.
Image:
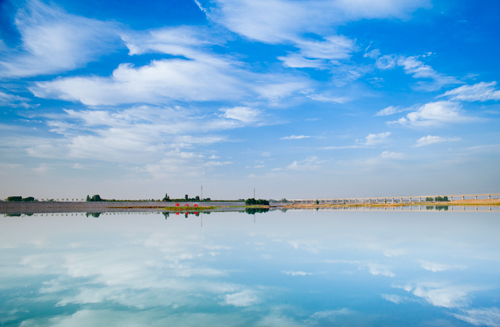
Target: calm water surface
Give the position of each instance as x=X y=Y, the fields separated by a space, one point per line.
x=299 y=268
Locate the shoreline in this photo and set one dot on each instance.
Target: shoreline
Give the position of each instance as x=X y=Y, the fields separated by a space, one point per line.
x=96 y=207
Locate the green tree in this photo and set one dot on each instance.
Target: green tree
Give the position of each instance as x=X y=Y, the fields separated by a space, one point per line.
x=94 y=198
x=252 y=201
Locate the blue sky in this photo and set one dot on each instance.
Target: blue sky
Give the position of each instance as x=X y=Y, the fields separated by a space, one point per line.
x=297 y=99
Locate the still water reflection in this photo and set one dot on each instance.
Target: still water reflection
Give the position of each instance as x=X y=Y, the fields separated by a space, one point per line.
x=299 y=268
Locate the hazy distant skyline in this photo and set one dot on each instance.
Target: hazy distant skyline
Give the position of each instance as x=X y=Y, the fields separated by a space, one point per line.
x=297 y=99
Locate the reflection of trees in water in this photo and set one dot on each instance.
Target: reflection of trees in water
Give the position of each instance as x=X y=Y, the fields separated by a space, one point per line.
x=252 y=211
x=438 y=208
x=93 y=214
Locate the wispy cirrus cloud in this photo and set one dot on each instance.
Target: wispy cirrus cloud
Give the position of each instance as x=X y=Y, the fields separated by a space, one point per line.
x=316 y=54
x=295 y=137
x=156 y=140
x=478 y=92
x=369 y=141
x=54 y=41
x=244 y=298
x=443 y=295
x=412 y=65
x=392 y=155
x=430 y=139
x=287 y=22
x=397 y=299
x=437 y=267
x=311 y=163
x=278 y=21
x=245 y=115
x=12 y=100
x=480 y=317
x=297 y=273
x=391 y=110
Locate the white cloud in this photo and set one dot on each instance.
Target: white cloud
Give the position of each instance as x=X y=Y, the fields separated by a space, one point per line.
x=331 y=314
x=395 y=298
x=295 y=137
x=415 y=67
x=386 y=62
x=328 y=98
x=276 y=90
x=146 y=139
x=297 y=61
x=370 y=140
x=478 y=92
x=311 y=163
x=392 y=155
x=55 y=41
x=441 y=295
x=435 y=114
x=436 y=267
x=314 y=54
x=161 y=81
x=395 y=252
x=42 y=168
x=377 y=269
x=372 y=54
x=296 y=273
x=244 y=114
x=199 y=75
x=429 y=139
x=481 y=317
x=373 y=139
x=333 y=47
x=244 y=298
x=419 y=70
x=391 y=110
x=217 y=163
x=187 y=41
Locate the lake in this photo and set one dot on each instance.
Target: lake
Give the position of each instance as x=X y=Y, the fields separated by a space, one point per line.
x=294 y=268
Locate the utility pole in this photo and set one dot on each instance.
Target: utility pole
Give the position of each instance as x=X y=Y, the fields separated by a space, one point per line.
x=254 y=193
x=201 y=195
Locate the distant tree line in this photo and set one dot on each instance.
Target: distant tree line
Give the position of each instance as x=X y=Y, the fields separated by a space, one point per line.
x=252 y=201
x=21 y=199
x=186 y=199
